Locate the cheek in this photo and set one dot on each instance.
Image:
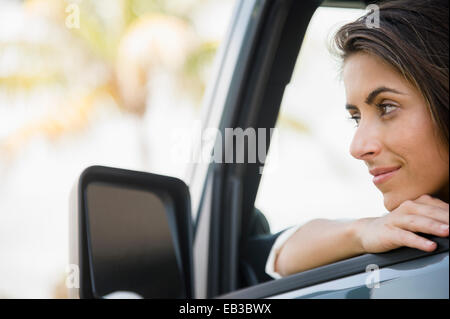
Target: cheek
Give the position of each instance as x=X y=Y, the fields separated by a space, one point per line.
x=404 y=138
x=425 y=159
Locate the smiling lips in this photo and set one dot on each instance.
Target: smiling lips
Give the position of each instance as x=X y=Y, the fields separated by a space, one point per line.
x=382 y=174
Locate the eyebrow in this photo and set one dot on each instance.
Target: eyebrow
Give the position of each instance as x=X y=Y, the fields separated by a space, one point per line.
x=372 y=96
x=349 y=107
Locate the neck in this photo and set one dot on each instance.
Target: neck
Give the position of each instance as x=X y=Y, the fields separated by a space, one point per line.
x=443 y=194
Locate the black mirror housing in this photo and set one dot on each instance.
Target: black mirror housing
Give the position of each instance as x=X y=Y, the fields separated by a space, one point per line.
x=131 y=232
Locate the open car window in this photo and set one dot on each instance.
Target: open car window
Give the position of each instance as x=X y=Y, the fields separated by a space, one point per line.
x=310 y=173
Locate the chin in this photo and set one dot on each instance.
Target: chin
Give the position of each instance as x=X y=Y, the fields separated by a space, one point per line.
x=390 y=204
x=394 y=200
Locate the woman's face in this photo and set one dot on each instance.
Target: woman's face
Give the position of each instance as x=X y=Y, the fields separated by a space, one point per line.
x=395 y=135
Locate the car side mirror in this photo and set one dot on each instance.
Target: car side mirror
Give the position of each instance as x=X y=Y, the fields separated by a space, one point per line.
x=130 y=232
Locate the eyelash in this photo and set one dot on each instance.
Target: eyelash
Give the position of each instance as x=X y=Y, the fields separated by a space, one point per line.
x=356 y=119
x=382 y=107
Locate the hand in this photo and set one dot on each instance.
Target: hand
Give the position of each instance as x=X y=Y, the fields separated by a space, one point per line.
x=426 y=215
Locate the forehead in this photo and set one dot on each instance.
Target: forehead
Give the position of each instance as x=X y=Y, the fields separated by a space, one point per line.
x=363 y=73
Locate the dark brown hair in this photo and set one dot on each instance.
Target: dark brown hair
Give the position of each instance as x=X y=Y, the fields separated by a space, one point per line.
x=412 y=37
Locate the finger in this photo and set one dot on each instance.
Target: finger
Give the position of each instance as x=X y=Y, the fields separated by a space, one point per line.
x=427 y=199
x=426 y=210
x=422 y=224
x=408 y=239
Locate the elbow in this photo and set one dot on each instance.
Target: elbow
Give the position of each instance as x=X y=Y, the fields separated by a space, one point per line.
x=282 y=265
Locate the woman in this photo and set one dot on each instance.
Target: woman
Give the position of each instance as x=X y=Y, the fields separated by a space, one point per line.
x=397 y=85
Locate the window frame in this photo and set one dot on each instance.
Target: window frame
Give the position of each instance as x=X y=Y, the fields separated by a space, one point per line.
x=340 y=270
x=274 y=51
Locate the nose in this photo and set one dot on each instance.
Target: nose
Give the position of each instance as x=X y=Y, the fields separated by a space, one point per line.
x=366 y=143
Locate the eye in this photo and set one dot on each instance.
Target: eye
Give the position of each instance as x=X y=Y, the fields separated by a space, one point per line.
x=355 y=117
x=386 y=108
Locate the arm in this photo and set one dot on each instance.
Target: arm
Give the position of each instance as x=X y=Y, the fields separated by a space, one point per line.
x=322 y=241
x=317 y=243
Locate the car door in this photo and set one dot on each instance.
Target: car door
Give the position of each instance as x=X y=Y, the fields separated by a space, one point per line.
x=257 y=62
x=401 y=274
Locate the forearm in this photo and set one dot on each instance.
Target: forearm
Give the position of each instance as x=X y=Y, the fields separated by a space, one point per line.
x=318 y=243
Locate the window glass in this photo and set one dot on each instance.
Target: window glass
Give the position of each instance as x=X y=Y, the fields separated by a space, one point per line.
x=311 y=172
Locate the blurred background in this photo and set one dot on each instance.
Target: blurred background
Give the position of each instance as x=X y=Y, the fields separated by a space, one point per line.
x=98 y=82
x=83 y=83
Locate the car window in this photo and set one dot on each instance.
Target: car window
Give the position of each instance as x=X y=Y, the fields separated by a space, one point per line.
x=310 y=173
